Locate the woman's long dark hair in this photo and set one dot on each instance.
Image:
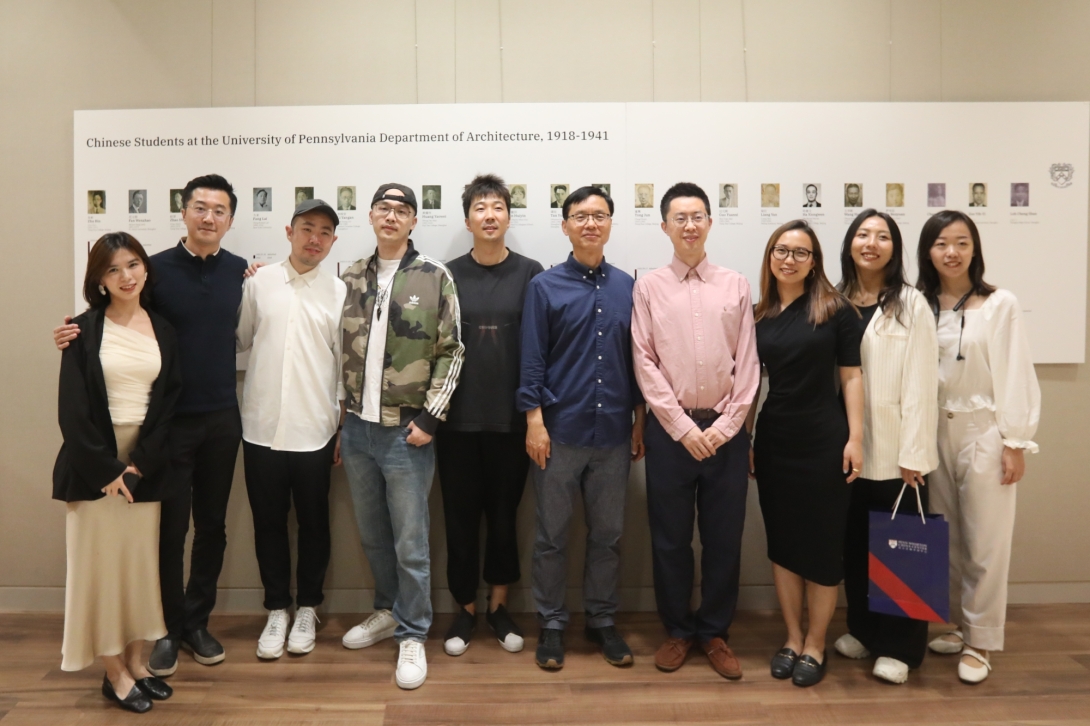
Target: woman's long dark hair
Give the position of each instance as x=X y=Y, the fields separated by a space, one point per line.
x=889 y=299
x=928 y=282
x=99 y=260
x=822 y=299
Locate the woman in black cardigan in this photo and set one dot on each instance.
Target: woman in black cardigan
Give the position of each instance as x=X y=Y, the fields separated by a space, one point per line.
x=119 y=382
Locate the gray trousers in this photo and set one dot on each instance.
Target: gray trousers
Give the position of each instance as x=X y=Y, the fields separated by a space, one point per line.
x=601 y=476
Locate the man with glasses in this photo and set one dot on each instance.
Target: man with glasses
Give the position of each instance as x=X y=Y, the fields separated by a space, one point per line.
x=402 y=356
x=578 y=391
x=197 y=287
x=694 y=350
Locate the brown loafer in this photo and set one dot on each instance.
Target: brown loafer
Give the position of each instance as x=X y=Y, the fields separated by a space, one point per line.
x=723 y=660
x=671 y=655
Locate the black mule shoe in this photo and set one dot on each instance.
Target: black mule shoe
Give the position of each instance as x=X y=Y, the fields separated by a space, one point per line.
x=155 y=688
x=783 y=663
x=808 y=672
x=137 y=701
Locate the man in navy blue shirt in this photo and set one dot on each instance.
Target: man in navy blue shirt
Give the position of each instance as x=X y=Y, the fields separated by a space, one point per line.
x=197 y=287
x=579 y=393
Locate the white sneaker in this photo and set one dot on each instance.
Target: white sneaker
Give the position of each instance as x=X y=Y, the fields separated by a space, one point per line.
x=271 y=643
x=379 y=626
x=941 y=645
x=971 y=674
x=890 y=669
x=850 y=647
x=412 y=666
x=301 y=638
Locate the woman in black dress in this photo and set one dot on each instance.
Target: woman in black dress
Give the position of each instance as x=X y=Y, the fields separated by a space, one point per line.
x=809 y=445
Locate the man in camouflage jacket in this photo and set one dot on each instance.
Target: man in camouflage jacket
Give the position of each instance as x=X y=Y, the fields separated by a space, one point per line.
x=402 y=353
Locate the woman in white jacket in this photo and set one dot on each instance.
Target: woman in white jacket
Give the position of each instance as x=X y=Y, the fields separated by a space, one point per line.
x=900 y=380
x=990 y=404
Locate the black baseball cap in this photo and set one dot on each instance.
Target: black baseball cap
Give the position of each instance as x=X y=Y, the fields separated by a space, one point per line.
x=316 y=205
x=409 y=198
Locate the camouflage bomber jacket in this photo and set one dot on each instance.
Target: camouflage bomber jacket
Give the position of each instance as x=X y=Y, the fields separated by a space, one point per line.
x=424 y=350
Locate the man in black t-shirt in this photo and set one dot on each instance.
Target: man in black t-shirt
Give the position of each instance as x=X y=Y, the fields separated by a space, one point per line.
x=481 y=446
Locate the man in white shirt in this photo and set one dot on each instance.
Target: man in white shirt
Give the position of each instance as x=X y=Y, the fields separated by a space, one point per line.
x=290 y=322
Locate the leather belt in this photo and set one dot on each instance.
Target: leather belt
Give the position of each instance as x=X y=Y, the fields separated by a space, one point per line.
x=701 y=414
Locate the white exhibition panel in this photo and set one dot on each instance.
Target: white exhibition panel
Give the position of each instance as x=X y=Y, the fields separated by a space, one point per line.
x=896 y=152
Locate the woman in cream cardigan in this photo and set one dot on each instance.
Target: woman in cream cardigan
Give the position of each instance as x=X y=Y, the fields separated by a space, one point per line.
x=900 y=381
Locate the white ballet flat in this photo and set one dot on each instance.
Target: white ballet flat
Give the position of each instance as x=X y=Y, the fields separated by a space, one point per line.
x=890 y=669
x=941 y=645
x=850 y=647
x=971 y=675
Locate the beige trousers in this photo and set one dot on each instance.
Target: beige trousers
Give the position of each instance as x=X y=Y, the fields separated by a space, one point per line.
x=966 y=488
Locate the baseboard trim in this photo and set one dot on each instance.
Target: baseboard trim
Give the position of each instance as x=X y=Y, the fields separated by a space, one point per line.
x=632 y=599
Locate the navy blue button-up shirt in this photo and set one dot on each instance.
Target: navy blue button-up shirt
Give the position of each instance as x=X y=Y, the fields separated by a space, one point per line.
x=577 y=354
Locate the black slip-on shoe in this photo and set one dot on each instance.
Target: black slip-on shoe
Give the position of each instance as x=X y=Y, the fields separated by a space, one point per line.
x=137 y=701
x=460 y=632
x=164 y=657
x=206 y=649
x=783 y=663
x=808 y=672
x=505 y=629
x=156 y=689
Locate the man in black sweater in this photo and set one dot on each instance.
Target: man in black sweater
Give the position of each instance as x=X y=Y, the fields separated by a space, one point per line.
x=197 y=287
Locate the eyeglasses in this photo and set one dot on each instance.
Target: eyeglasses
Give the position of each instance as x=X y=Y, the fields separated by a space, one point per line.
x=598 y=217
x=200 y=210
x=800 y=254
x=402 y=213
x=683 y=221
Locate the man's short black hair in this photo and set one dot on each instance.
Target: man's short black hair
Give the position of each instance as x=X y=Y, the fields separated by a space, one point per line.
x=485 y=185
x=582 y=194
x=210 y=181
x=683 y=189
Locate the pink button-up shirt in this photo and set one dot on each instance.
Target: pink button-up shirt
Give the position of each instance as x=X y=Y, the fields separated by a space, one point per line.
x=694 y=345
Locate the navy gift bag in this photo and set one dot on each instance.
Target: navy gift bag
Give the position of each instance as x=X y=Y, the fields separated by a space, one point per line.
x=910 y=565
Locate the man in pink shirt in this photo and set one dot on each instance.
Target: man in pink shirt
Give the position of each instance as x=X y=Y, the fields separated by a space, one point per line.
x=694 y=351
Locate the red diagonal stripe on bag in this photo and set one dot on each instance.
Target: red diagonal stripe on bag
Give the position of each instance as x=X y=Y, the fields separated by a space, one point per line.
x=900 y=593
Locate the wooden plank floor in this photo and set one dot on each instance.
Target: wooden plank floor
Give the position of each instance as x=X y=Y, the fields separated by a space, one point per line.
x=1042 y=678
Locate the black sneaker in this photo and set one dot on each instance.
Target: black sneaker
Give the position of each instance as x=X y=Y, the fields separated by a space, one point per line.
x=507 y=630
x=460 y=632
x=614 y=649
x=550 y=649
x=206 y=649
x=164 y=657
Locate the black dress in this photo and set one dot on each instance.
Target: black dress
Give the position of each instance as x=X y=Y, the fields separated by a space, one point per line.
x=800 y=437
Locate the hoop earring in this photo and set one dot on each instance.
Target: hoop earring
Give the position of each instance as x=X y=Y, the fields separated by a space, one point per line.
x=101 y=290
x=812 y=271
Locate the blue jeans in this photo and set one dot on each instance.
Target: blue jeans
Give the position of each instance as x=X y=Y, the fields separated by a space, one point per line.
x=601 y=477
x=390 y=479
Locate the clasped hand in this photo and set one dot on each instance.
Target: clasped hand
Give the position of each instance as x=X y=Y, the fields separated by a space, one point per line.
x=117 y=486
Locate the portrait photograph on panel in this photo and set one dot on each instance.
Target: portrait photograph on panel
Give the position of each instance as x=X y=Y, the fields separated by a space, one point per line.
x=557 y=194
x=645 y=196
x=812 y=193
x=853 y=195
x=346 y=199
x=604 y=187
x=1020 y=194
x=262 y=199
x=138 y=201
x=895 y=195
x=770 y=195
x=176 y=201
x=518 y=196
x=978 y=194
x=728 y=196
x=96 y=201
x=303 y=194
x=936 y=195
x=433 y=196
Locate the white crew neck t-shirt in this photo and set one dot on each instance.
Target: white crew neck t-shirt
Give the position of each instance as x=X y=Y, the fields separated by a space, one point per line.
x=376 y=344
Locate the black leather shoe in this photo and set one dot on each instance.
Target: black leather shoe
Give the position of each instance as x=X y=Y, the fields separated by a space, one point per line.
x=783 y=663
x=206 y=649
x=808 y=672
x=164 y=657
x=550 y=649
x=137 y=701
x=614 y=649
x=155 y=689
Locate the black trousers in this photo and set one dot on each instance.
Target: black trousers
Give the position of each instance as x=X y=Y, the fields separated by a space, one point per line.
x=481 y=473
x=884 y=635
x=273 y=480
x=716 y=488
x=204 y=449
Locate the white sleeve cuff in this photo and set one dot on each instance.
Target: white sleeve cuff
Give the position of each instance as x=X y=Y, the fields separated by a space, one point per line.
x=1029 y=446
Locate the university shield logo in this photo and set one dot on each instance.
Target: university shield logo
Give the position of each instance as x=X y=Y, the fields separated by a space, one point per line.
x=1061 y=174
x=893 y=544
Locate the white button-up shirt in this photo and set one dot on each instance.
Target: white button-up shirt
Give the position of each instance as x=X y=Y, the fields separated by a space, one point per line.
x=291 y=324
